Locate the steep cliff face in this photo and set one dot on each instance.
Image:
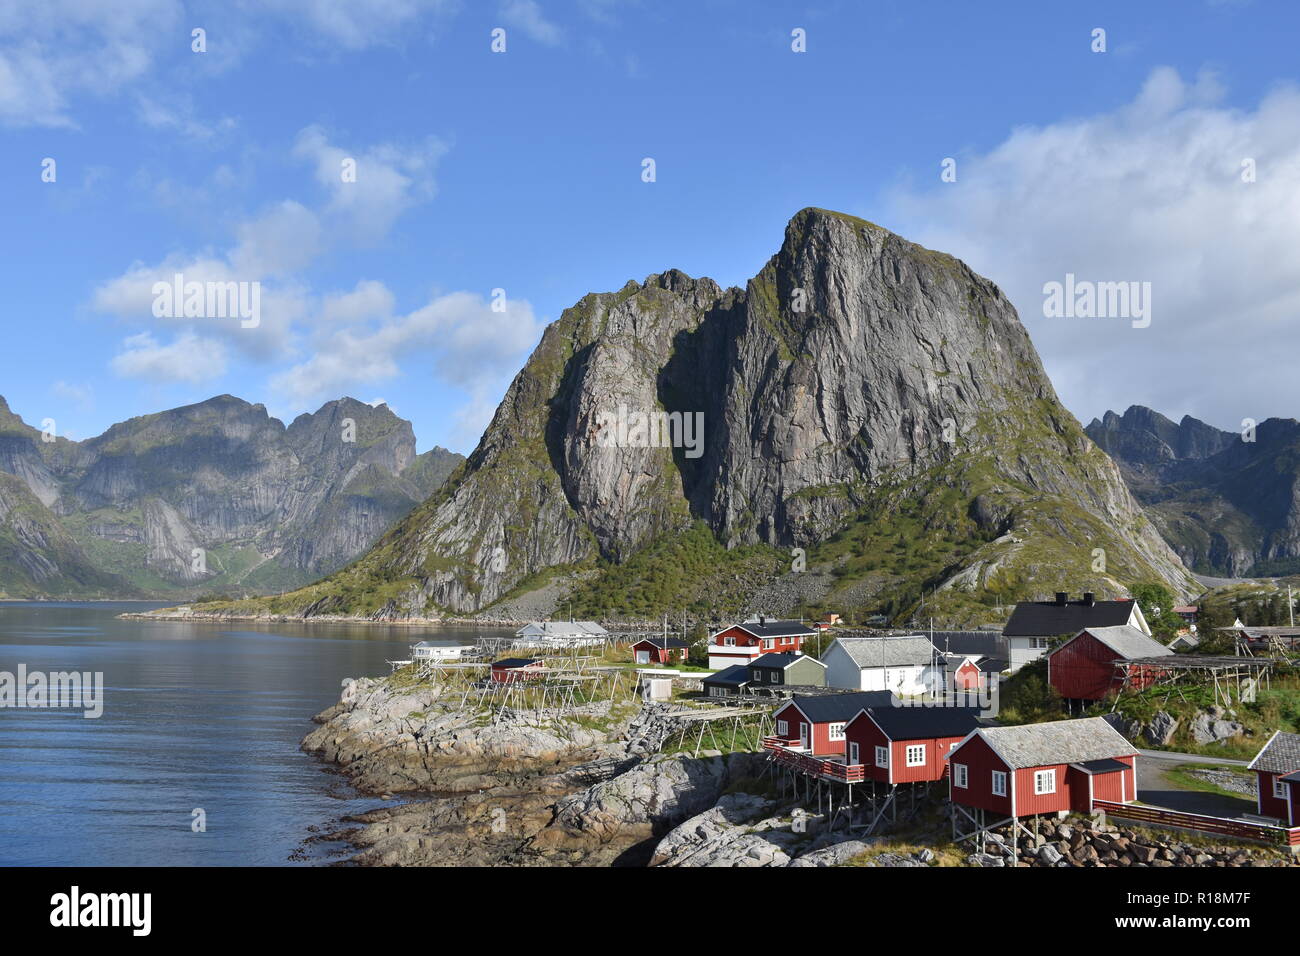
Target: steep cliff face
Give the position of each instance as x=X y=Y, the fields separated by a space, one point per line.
x=859 y=385
x=219 y=494
x=1228 y=506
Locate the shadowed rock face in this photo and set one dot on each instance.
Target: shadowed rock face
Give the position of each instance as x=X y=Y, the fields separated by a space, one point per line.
x=268 y=505
x=1226 y=505
x=854 y=364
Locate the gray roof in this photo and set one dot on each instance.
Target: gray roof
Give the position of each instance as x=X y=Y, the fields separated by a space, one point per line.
x=1280 y=755
x=1127 y=641
x=888 y=651
x=1058 y=741
x=1049 y=619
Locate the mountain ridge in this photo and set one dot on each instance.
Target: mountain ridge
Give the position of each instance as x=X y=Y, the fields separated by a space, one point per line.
x=209 y=495
x=859 y=382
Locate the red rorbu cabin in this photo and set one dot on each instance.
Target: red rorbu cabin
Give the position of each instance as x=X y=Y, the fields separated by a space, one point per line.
x=1056 y=767
x=513 y=669
x=1083 y=668
x=815 y=723
x=1277 y=767
x=907 y=744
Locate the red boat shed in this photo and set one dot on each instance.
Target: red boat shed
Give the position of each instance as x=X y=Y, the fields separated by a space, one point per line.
x=907 y=744
x=513 y=669
x=1083 y=668
x=815 y=723
x=1277 y=767
x=659 y=650
x=1056 y=767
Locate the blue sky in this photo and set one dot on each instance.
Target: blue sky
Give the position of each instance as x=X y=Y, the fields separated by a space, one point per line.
x=522 y=171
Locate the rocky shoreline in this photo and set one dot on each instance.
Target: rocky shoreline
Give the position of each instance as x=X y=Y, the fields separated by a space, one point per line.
x=591 y=788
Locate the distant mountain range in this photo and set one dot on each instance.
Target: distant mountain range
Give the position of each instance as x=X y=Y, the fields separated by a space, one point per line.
x=212 y=497
x=1228 y=506
x=874 y=428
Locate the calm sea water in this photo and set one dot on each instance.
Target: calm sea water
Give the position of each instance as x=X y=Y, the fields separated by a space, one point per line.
x=195 y=716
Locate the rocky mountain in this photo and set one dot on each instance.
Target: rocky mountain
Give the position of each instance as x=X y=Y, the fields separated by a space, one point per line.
x=208 y=496
x=865 y=424
x=1229 y=506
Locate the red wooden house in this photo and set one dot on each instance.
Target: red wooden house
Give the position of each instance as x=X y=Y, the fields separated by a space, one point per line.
x=742 y=643
x=1277 y=768
x=815 y=723
x=1083 y=668
x=513 y=669
x=1056 y=767
x=907 y=744
x=659 y=650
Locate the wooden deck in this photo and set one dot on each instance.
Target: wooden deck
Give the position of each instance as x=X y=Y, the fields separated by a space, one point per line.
x=825 y=768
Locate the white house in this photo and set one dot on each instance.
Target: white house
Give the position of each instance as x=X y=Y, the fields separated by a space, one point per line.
x=1034 y=624
x=439 y=651
x=562 y=634
x=904 y=665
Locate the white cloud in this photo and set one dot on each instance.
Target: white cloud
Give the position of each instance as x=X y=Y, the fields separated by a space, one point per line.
x=527 y=15
x=1151 y=191
x=369 y=300
x=389 y=179
x=353 y=24
x=469 y=345
x=81 y=395
x=188 y=358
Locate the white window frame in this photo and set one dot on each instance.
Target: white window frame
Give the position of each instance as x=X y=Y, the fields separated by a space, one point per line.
x=728 y=642
x=882 y=756
x=854 y=754
x=999 y=783
x=835 y=731
x=1040 y=778
x=916 y=755
x=960 y=775
x=767 y=644
x=1279 y=788
x=783 y=728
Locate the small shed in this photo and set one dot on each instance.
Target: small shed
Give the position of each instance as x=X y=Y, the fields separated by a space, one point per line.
x=512 y=669
x=440 y=650
x=660 y=650
x=728 y=682
x=1083 y=668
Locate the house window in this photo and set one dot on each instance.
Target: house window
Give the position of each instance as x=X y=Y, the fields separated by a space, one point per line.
x=837 y=732
x=999 y=783
x=853 y=754
x=715 y=692
x=729 y=642
x=1044 y=781
x=767 y=643
x=1038 y=643
x=959 y=775
x=882 y=756
x=782 y=728
x=1279 y=788
x=916 y=755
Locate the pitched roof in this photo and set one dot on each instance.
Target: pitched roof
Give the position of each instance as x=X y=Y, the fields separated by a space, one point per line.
x=887 y=651
x=917 y=723
x=664 y=643
x=775 y=628
x=1058 y=741
x=1126 y=641
x=782 y=660
x=511 y=662
x=1048 y=619
x=825 y=708
x=735 y=674
x=1280 y=755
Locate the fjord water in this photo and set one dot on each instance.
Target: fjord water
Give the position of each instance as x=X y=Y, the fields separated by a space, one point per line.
x=195 y=716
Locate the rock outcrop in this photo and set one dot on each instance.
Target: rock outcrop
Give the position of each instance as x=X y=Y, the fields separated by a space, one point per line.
x=859 y=381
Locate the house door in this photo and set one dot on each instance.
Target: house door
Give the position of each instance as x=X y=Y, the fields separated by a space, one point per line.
x=803 y=736
x=853 y=754
x=643 y=657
